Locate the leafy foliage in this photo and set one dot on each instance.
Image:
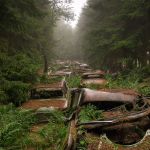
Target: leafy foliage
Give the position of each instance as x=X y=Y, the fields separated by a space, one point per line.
x=26 y=39
x=74 y=81
x=111 y=32
x=14 y=127
x=16 y=72
x=134 y=79
x=49 y=80
x=89 y=113
x=52 y=135
x=55 y=135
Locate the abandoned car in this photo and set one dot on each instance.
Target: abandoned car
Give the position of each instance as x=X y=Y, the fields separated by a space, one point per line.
x=119 y=115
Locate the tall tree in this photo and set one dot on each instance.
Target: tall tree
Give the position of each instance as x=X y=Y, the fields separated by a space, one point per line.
x=115 y=32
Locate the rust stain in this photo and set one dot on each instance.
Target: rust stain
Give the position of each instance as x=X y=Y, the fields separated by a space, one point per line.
x=94 y=81
x=53 y=85
x=93 y=96
x=36 y=104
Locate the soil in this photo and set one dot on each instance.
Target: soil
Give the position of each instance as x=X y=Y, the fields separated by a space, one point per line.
x=36 y=104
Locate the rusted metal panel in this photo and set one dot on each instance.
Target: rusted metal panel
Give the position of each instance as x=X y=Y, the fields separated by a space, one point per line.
x=98 y=96
x=55 y=86
x=84 y=65
x=60 y=74
x=123 y=119
x=72 y=135
x=94 y=81
x=142 y=123
x=81 y=71
x=59 y=103
x=94 y=74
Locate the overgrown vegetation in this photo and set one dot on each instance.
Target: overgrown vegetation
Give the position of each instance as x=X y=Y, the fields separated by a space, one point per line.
x=51 y=136
x=94 y=86
x=16 y=73
x=49 y=80
x=74 y=81
x=89 y=113
x=14 y=127
x=137 y=79
x=26 y=42
x=15 y=130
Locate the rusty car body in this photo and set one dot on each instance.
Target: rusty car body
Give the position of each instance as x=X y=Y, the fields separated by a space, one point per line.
x=96 y=77
x=121 y=111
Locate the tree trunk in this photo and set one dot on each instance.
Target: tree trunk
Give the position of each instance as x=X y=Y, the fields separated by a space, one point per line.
x=45 y=63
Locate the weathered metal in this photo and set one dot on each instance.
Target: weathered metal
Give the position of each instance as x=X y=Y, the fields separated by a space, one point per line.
x=98 y=96
x=55 y=103
x=142 y=123
x=61 y=74
x=95 y=74
x=72 y=135
x=58 y=89
x=123 y=119
x=96 y=81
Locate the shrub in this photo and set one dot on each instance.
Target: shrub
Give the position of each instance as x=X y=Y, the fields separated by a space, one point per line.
x=74 y=81
x=46 y=79
x=53 y=135
x=18 y=92
x=17 y=73
x=14 y=127
x=19 y=68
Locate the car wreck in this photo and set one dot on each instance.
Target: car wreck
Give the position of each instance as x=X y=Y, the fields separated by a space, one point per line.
x=120 y=113
x=96 y=78
x=45 y=98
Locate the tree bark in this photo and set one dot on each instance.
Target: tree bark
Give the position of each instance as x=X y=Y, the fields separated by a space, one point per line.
x=45 y=63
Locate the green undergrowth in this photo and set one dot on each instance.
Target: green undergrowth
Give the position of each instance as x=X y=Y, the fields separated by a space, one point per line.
x=55 y=67
x=52 y=136
x=49 y=80
x=90 y=113
x=137 y=80
x=74 y=81
x=16 y=133
x=94 y=86
x=14 y=127
x=17 y=73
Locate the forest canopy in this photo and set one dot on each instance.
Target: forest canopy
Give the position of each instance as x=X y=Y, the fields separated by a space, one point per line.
x=115 y=33
x=26 y=42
